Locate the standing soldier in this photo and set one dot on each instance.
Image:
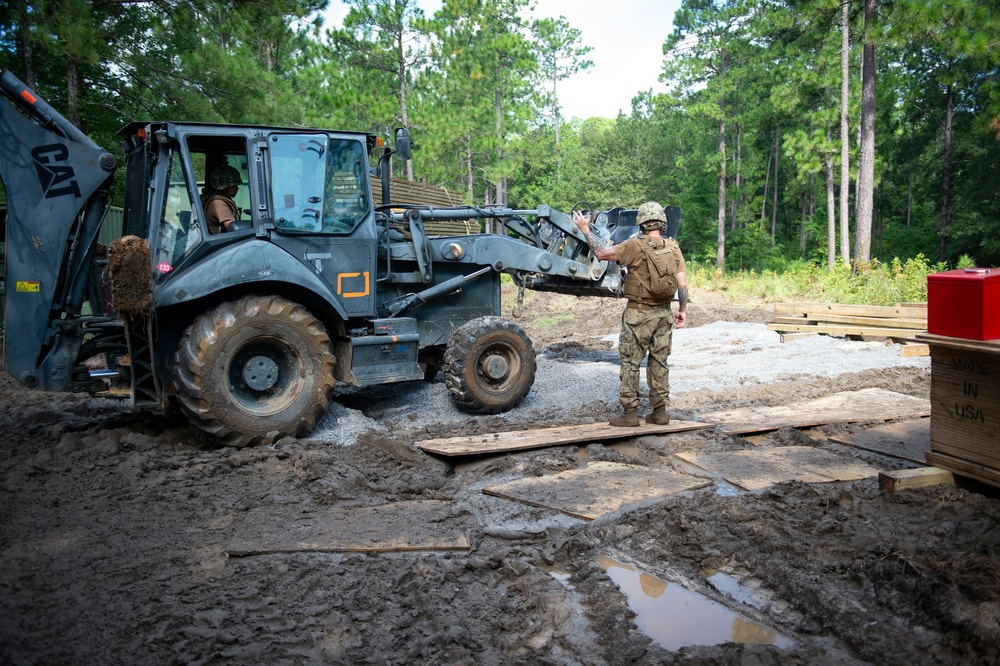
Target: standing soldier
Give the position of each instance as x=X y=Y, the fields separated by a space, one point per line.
x=655 y=272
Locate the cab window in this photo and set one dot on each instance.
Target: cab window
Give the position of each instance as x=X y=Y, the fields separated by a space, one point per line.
x=297 y=166
x=179 y=228
x=345 y=200
x=318 y=185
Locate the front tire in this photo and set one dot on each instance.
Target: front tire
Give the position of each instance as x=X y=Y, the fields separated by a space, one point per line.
x=257 y=368
x=489 y=365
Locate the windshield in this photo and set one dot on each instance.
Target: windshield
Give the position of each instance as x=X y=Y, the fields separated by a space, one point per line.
x=318 y=186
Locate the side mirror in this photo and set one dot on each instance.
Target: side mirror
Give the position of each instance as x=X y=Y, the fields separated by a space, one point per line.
x=403 y=143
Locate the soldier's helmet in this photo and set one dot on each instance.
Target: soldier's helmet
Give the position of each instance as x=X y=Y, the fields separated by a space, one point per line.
x=650 y=216
x=224 y=176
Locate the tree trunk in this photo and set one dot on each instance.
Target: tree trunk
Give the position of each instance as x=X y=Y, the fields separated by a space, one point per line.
x=831 y=216
x=470 y=181
x=73 y=93
x=501 y=198
x=739 y=165
x=555 y=108
x=909 y=197
x=802 y=224
x=845 y=135
x=720 y=252
x=866 y=162
x=946 y=174
x=27 y=49
x=774 y=203
x=403 y=111
x=767 y=185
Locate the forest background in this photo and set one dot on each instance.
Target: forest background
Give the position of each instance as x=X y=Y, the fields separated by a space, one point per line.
x=817 y=136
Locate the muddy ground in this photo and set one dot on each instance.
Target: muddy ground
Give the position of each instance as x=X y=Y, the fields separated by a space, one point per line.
x=114 y=530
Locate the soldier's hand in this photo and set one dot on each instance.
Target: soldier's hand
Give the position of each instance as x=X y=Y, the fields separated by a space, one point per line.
x=582 y=221
x=680 y=318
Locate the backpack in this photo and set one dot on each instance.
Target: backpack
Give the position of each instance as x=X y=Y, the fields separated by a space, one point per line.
x=661 y=267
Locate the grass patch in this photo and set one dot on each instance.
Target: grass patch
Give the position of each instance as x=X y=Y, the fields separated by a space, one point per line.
x=551 y=321
x=870 y=284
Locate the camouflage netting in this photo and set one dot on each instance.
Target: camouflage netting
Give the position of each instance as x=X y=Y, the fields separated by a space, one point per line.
x=131 y=279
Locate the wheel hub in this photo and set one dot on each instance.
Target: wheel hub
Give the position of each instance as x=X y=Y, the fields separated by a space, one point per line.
x=260 y=373
x=495 y=367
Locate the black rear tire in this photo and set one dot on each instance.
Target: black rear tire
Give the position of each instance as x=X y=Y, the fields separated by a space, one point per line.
x=255 y=369
x=489 y=365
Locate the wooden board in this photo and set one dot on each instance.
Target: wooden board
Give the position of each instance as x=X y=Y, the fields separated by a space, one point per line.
x=918 y=324
x=759 y=468
x=960 y=344
x=914 y=349
x=896 y=480
x=536 y=438
x=841 y=330
x=964 y=467
x=851 y=310
x=907 y=440
x=965 y=403
x=597 y=489
x=893 y=322
x=791 y=337
x=400 y=526
x=845 y=407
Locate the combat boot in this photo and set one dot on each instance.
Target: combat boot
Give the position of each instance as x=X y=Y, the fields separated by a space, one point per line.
x=627 y=419
x=659 y=416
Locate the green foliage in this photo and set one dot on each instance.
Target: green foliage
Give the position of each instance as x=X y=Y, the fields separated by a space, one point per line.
x=478 y=82
x=965 y=261
x=872 y=284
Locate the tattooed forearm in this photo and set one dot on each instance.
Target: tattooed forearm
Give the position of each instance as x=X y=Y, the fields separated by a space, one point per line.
x=682 y=298
x=594 y=242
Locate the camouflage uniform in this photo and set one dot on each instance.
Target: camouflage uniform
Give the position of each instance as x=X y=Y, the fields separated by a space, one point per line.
x=647 y=325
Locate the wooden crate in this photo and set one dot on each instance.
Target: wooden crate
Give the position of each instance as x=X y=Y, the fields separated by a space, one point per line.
x=965 y=406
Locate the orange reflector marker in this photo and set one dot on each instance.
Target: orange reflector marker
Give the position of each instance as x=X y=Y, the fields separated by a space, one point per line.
x=141 y=133
x=378 y=142
x=28 y=97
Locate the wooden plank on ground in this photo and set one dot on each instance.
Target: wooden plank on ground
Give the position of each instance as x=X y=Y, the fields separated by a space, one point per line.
x=893 y=481
x=864 y=322
x=536 y=438
x=853 y=310
x=791 y=337
x=597 y=489
x=914 y=349
x=870 y=404
x=906 y=440
x=841 y=330
x=759 y=468
x=395 y=527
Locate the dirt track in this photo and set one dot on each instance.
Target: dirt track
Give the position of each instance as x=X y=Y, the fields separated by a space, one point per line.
x=115 y=529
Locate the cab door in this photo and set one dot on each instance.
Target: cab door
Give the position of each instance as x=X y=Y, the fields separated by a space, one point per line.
x=323 y=213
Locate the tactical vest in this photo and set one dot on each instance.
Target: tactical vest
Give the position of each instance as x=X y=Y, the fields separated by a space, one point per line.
x=653 y=281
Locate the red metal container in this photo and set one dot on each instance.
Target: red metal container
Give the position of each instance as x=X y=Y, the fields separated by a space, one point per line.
x=964 y=303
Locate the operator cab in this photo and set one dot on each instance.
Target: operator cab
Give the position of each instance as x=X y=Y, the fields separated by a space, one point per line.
x=292 y=182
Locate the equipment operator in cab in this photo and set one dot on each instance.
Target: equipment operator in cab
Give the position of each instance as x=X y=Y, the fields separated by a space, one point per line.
x=220 y=209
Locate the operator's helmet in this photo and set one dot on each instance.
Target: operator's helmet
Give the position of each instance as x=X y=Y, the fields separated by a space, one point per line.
x=224 y=176
x=650 y=216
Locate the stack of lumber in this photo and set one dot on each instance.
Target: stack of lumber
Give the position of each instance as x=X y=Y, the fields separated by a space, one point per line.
x=404 y=191
x=899 y=323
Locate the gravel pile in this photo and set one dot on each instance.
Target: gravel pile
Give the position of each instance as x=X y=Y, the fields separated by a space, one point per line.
x=718 y=356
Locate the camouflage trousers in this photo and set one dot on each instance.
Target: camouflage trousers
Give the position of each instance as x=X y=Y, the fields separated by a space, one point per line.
x=643 y=332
